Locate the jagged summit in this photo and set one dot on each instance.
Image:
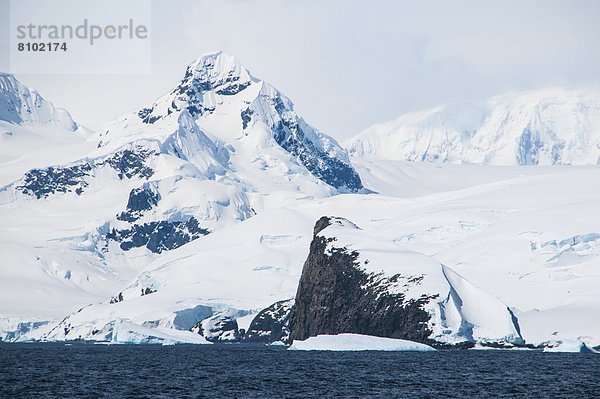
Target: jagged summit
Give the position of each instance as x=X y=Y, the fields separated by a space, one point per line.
x=216 y=68
x=228 y=103
x=22 y=105
x=210 y=75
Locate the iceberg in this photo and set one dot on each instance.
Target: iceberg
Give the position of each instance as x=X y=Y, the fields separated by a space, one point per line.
x=126 y=332
x=357 y=342
x=571 y=345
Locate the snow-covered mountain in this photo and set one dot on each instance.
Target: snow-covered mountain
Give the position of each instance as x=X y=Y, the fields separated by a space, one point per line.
x=21 y=105
x=532 y=128
x=244 y=113
x=34 y=132
x=83 y=228
x=189 y=221
x=250 y=145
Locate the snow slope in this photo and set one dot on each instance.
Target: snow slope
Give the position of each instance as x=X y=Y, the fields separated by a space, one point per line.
x=487 y=231
x=532 y=128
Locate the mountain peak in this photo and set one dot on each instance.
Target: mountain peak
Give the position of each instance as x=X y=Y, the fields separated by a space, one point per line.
x=219 y=62
x=212 y=73
x=542 y=127
x=19 y=104
x=216 y=69
x=216 y=85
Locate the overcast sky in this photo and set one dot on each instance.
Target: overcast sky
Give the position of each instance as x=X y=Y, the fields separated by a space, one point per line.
x=350 y=64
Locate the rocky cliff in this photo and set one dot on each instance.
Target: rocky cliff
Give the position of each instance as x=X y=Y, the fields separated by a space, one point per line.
x=353 y=282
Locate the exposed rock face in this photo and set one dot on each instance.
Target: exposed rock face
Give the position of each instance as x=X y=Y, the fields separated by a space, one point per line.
x=357 y=282
x=332 y=299
x=213 y=73
x=116 y=299
x=129 y=163
x=43 y=182
x=141 y=199
x=158 y=236
x=271 y=324
x=217 y=78
x=218 y=328
x=320 y=154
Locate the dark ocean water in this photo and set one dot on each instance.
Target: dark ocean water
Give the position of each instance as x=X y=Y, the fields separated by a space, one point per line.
x=241 y=371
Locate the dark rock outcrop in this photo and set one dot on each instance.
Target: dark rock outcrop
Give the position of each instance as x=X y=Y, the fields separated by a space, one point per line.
x=246 y=116
x=141 y=199
x=128 y=163
x=131 y=163
x=148 y=291
x=271 y=324
x=218 y=328
x=336 y=296
x=204 y=75
x=60 y=179
x=289 y=133
x=158 y=236
x=116 y=299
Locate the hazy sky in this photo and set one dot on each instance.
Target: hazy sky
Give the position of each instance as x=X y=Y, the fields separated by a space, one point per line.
x=350 y=64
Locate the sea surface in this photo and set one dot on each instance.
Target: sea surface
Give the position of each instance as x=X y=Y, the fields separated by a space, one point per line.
x=247 y=371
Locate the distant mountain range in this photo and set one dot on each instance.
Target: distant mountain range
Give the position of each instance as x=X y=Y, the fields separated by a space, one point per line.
x=533 y=128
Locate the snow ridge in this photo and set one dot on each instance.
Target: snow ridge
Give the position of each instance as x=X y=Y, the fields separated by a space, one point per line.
x=532 y=128
x=21 y=105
